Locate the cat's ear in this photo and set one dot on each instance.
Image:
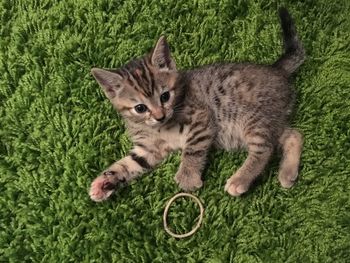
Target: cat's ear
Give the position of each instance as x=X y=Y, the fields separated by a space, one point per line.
x=108 y=80
x=161 y=57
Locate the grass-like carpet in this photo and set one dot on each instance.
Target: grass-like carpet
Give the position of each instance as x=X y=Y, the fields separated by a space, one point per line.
x=58 y=131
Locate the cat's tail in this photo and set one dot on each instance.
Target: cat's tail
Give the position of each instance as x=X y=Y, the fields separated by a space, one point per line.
x=294 y=53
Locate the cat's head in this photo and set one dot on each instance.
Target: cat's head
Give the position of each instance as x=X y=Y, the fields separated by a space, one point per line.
x=144 y=89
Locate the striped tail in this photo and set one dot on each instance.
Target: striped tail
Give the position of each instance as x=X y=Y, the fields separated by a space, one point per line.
x=294 y=53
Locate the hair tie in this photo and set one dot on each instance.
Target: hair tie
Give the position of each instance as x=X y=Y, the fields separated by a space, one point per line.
x=166 y=214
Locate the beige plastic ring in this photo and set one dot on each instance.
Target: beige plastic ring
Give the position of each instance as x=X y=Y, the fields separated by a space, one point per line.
x=165 y=215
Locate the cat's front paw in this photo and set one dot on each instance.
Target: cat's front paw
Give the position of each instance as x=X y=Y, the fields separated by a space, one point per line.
x=237 y=185
x=188 y=181
x=103 y=186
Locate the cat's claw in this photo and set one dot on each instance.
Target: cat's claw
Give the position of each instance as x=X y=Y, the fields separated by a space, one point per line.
x=237 y=185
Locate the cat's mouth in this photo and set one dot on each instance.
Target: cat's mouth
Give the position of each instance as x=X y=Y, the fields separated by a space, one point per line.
x=158 y=123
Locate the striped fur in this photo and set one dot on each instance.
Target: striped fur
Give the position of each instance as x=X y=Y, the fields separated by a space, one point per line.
x=228 y=106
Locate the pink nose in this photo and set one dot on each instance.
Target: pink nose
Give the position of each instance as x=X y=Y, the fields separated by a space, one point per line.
x=158 y=115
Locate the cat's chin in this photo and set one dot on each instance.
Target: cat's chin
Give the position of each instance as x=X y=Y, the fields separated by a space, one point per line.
x=155 y=124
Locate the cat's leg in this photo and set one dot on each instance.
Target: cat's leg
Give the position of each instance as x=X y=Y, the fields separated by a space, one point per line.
x=194 y=155
x=140 y=159
x=291 y=142
x=259 y=153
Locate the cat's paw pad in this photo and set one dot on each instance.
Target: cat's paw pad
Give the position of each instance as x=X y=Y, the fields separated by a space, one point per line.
x=237 y=185
x=188 y=182
x=102 y=187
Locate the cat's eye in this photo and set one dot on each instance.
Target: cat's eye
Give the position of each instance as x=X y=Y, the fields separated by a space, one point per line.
x=141 y=108
x=165 y=97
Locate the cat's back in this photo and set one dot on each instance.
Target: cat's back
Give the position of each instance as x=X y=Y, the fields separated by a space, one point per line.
x=241 y=86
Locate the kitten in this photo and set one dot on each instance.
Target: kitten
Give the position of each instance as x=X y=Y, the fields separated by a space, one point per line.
x=222 y=105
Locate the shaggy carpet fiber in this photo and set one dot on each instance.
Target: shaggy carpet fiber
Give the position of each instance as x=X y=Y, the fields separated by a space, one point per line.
x=58 y=131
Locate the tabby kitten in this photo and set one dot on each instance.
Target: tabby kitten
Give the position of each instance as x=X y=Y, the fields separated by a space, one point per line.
x=222 y=105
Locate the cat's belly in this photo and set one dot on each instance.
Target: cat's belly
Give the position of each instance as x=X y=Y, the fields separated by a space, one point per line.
x=229 y=136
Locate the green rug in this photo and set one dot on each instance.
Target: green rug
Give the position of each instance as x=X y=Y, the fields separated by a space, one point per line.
x=58 y=131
